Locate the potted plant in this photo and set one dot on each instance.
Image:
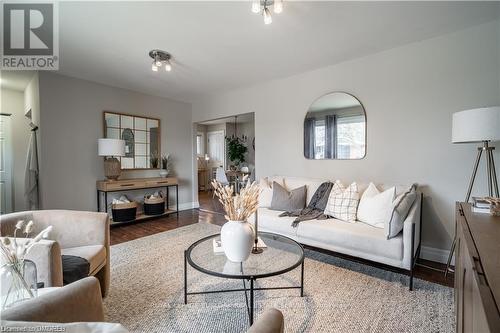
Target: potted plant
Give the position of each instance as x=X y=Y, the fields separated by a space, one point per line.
x=165 y=165
x=237 y=235
x=154 y=160
x=236 y=150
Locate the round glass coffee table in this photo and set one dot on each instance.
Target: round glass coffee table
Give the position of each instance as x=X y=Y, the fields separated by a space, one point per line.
x=281 y=255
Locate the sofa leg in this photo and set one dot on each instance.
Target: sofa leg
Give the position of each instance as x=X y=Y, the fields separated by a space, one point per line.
x=412 y=252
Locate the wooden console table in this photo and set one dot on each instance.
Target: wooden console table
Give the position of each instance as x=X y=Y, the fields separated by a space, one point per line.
x=106 y=186
x=477 y=271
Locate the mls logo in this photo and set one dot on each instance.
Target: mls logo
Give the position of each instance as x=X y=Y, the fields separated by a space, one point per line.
x=30 y=36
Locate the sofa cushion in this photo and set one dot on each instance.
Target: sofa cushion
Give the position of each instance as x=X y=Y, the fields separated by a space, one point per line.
x=343 y=202
x=269 y=220
x=288 y=201
x=359 y=237
x=311 y=184
x=401 y=206
x=94 y=254
x=375 y=207
x=266 y=190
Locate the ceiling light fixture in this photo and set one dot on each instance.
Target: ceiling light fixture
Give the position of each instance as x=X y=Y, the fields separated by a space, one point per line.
x=160 y=58
x=262 y=7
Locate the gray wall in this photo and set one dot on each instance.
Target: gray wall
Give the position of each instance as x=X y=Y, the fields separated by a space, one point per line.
x=409 y=94
x=71 y=123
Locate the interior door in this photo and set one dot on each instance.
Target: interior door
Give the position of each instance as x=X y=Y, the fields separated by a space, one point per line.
x=217 y=148
x=5 y=166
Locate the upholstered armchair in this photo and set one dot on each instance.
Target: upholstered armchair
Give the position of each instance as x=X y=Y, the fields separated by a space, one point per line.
x=76 y=233
x=78 y=308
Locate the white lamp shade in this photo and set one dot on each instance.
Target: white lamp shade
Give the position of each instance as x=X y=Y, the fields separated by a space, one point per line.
x=476 y=125
x=111 y=147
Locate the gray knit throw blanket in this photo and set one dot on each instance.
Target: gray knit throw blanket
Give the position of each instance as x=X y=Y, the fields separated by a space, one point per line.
x=315 y=208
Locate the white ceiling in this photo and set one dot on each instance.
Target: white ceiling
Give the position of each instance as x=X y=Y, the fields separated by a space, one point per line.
x=219 y=46
x=15 y=80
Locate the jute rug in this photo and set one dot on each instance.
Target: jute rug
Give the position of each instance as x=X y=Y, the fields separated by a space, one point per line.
x=146 y=294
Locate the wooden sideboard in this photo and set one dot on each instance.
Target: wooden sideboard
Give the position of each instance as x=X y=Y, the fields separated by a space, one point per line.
x=108 y=186
x=477 y=271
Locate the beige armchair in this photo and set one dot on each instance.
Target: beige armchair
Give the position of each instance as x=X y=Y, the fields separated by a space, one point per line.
x=76 y=233
x=75 y=308
x=78 y=307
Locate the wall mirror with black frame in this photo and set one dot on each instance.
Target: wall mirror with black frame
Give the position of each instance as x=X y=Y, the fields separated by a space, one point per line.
x=335 y=128
x=142 y=139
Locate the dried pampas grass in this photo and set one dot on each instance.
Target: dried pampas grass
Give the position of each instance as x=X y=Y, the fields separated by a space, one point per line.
x=241 y=206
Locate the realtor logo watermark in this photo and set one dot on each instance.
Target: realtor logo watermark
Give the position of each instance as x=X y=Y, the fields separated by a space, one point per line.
x=30 y=36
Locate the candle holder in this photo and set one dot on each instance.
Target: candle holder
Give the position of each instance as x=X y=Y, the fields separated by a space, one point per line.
x=256 y=249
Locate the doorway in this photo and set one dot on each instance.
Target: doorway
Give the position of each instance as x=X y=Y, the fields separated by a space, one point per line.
x=6 y=189
x=212 y=153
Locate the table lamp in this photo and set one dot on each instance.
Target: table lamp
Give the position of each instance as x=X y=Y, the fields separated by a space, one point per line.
x=473 y=126
x=109 y=148
x=479 y=125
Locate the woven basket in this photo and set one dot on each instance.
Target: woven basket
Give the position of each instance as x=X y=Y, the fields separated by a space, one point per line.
x=153 y=200
x=154 y=206
x=124 y=212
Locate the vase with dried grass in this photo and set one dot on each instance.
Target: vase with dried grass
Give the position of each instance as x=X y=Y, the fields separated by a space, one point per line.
x=17 y=274
x=237 y=235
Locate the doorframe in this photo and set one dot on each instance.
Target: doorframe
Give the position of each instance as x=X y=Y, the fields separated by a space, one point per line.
x=8 y=156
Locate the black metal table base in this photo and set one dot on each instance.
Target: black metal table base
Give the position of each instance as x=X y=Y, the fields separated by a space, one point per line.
x=250 y=299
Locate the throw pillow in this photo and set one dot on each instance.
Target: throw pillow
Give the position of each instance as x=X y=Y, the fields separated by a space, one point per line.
x=343 y=202
x=266 y=192
x=375 y=207
x=288 y=200
x=401 y=208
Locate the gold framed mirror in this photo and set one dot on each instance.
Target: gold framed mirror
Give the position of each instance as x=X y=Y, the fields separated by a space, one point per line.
x=142 y=136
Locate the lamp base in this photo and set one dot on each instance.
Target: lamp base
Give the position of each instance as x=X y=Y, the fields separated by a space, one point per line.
x=112 y=168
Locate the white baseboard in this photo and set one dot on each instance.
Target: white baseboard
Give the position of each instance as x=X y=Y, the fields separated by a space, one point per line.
x=186 y=205
x=437 y=255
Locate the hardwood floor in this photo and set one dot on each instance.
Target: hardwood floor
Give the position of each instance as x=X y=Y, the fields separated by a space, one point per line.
x=425 y=270
x=209 y=204
x=128 y=232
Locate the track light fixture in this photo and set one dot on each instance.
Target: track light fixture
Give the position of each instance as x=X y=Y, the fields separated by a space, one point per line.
x=262 y=7
x=160 y=58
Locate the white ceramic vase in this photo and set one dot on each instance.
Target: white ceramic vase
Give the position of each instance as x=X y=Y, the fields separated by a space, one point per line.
x=237 y=239
x=163 y=173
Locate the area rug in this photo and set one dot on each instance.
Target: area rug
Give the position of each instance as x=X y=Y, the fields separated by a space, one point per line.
x=146 y=293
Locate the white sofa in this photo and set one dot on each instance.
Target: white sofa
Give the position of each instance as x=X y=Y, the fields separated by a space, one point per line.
x=353 y=239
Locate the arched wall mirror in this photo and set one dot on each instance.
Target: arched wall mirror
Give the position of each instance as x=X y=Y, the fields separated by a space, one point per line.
x=335 y=128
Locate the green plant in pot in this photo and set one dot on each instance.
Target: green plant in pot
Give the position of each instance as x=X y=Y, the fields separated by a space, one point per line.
x=236 y=151
x=154 y=160
x=166 y=162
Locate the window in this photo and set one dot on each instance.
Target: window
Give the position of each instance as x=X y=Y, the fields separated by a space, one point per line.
x=350 y=137
x=319 y=139
x=200 y=144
